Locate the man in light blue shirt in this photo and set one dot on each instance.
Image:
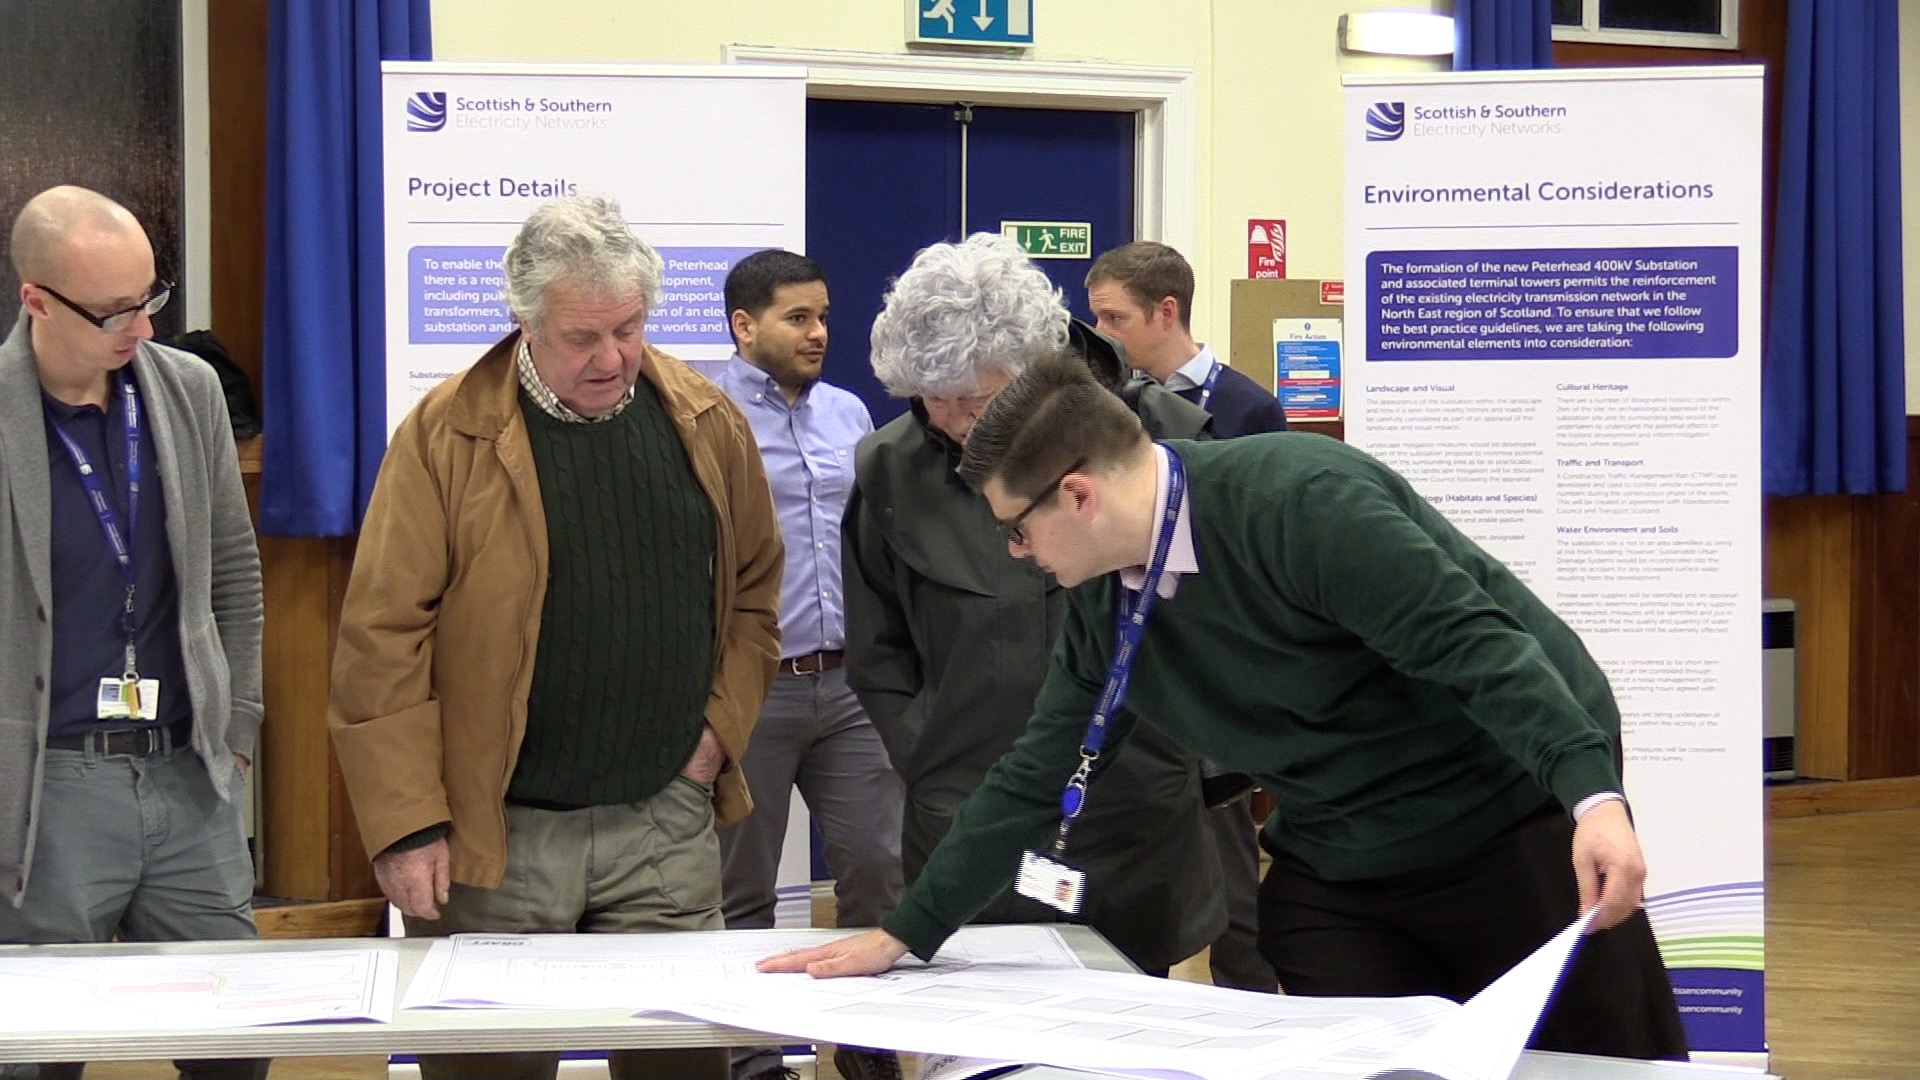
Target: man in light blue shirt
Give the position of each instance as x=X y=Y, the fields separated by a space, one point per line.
x=812 y=732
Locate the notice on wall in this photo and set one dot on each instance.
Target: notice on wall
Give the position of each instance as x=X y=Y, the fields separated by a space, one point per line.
x=1556 y=337
x=471 y=150
x=1306 y=368
x=1266 y=248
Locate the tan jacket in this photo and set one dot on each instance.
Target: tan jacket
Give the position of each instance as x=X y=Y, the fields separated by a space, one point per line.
x=442 y=614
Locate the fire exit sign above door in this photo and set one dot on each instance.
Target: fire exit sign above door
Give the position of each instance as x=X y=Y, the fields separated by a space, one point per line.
x=1051 y=239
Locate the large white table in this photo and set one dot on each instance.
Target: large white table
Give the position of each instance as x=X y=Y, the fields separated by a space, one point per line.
x=427 y=1031
x=1534 y=1065
x=412 y=1031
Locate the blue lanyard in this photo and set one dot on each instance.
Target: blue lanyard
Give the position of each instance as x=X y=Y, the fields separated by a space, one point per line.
x=1206 y=388
x=120 y=542
x=1130 y=611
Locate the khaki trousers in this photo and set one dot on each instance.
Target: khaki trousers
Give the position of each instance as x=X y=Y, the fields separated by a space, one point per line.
x=634 y=868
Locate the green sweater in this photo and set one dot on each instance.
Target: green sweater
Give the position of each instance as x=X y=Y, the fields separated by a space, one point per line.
x=625 y=660
x=1396 y=689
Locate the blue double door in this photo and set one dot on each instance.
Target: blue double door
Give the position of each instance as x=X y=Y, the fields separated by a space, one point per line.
x=886 y=179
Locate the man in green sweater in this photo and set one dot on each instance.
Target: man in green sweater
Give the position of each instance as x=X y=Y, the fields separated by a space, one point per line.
x=559 y=628
x=1436 y=740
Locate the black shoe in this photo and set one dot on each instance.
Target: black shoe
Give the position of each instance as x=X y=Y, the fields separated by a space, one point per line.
x=860 y=1063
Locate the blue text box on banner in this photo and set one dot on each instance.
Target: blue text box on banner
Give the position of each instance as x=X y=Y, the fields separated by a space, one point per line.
x=456 y=295
x=1652 y=303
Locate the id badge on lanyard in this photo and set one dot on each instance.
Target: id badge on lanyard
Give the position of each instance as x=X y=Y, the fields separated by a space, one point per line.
x=1046 y=877
x=128 y=697
x=1206 y=388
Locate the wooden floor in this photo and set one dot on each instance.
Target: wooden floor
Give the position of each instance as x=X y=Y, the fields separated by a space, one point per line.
x=1843 y=946
x=1843 y=956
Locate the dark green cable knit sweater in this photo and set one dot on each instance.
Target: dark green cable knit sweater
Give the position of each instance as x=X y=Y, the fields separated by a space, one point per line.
x=1400 y=694
x=625 y=660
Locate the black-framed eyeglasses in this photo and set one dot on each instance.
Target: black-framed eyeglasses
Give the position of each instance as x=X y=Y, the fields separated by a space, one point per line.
x=1016 y=529
x=115 y=321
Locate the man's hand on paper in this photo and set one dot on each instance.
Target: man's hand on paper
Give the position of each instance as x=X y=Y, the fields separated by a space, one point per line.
x=704 y=766
x=1607 y=863
x=864 y=954
x=415 y=880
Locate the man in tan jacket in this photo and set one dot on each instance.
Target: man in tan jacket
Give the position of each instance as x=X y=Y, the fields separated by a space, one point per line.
x=560 y=627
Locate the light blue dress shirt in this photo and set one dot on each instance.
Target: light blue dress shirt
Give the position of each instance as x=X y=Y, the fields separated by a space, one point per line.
x=1193 y=374
x=807 y=449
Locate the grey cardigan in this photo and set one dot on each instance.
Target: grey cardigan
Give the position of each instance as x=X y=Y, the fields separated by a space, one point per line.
x=215 y=561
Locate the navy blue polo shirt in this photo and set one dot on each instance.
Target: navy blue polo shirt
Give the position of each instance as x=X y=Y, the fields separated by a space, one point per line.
x=88 y=589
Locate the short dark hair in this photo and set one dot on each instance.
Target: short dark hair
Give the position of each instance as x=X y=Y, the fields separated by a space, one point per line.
x=1149 y=271
x=1050 y=416
x=753 y=280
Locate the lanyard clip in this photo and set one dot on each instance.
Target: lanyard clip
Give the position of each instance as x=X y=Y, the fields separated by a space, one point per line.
x=1074 y=798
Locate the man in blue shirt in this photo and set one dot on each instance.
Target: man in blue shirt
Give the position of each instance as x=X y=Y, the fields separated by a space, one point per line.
x=1142 y=295
x=812 y=732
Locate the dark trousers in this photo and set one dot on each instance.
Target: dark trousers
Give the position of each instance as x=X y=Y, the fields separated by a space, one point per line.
x=1450 y=930
x=1235 y=959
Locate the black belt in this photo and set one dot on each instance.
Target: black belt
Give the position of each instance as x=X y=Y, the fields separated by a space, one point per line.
x=139 y=742
x=813 y=663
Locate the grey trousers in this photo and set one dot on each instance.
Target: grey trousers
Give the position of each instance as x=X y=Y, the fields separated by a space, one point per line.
x=813 y=735
x=627 y=869
x=1235 y=958
x=141 y=848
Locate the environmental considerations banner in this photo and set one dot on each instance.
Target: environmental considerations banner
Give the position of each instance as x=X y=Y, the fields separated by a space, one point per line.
x=709 y=164
x=1554 y=323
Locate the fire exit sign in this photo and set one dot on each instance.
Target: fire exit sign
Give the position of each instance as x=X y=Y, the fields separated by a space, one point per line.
x=1051 y=239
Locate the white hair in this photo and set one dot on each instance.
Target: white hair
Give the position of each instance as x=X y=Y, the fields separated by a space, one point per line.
x=582 y=241
x=962 y=310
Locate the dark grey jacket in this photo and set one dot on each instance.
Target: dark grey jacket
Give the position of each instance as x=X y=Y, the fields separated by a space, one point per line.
x=215 y=563
x=947 y=643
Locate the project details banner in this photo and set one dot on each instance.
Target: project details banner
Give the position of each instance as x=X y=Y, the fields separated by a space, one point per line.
x=471 y=150
x=1555 y=329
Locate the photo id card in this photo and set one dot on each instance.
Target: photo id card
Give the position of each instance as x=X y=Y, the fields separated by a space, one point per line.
x=128 y=699
x=1054 y=884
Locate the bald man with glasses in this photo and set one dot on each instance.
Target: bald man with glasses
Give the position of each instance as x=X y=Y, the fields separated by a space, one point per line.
x=130 y=595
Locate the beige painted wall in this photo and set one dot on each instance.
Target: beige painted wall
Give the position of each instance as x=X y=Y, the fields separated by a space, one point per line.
x=1269 y=85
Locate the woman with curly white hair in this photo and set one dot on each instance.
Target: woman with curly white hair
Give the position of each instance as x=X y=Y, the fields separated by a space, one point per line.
x=948 y=636
x=961 y=323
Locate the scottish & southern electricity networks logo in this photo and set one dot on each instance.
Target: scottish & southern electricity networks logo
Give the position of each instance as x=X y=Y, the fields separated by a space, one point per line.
x=1386 y=121
x=427 y=111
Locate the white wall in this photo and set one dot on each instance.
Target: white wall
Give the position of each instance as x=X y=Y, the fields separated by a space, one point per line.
x=1268 y=73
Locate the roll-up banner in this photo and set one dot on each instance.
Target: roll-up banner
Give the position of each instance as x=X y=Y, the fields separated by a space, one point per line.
x=1554 y=333
x=708 y=162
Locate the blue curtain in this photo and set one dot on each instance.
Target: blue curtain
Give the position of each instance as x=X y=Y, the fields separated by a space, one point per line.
x=1834 y=404
x=1491 y=34
x=324 y=407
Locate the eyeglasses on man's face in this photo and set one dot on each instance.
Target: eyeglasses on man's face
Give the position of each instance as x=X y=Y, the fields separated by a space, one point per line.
x=1016 y=529
x=116 y=321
